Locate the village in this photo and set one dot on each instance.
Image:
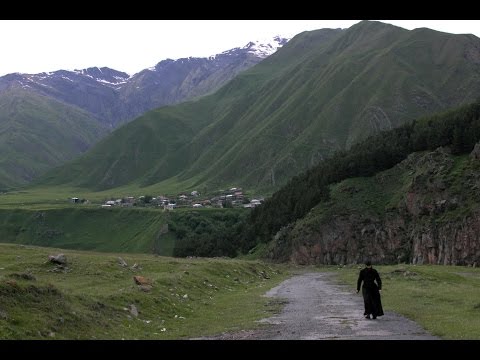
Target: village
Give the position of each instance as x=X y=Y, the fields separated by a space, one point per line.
x=232 y=198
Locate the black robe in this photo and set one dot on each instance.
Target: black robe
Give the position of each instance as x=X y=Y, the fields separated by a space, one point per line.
x=370 y=291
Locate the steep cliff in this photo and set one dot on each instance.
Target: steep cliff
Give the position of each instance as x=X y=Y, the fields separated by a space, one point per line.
x=425 y=210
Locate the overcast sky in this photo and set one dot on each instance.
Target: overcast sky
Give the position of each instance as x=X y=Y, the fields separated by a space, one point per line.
x=34 y=46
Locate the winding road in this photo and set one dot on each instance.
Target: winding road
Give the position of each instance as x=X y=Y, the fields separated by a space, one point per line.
x=319 y=309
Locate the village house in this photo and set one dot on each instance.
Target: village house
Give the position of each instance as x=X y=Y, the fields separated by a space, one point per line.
x=169 y=207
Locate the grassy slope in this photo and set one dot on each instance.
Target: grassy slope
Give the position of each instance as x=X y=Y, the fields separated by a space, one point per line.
x=87 y=228
x=191 y=120
x=38 y=133
x=91 y=300
x=445 y=300
x=293 y=110
x=127 y=230
x=377 y=195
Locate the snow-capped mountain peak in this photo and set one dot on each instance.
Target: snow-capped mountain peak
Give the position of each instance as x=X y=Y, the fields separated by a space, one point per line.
x=259 y=48
x=264 y=48
x=150 y=88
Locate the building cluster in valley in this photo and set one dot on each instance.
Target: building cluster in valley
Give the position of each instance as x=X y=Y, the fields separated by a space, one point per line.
x=234 y=197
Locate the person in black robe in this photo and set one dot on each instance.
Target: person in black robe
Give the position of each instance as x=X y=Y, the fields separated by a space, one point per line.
x=370 y=291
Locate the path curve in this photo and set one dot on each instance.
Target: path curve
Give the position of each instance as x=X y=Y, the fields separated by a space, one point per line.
x=317 y=308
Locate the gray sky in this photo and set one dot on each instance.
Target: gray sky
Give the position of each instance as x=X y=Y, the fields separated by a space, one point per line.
x=33 y=46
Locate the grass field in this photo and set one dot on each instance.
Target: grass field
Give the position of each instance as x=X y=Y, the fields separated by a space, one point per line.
x=445 y=300
x=85 y=228
x=93 y=298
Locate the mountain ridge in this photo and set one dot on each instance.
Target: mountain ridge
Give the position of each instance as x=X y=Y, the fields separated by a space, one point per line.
x=296 y=108
x=114 y=87
x=29 y=148
x=111 y=98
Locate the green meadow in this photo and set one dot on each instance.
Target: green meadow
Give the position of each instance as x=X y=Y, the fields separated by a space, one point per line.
x=445 y=300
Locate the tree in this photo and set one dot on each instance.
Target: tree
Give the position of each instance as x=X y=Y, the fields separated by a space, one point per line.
x=147 y=199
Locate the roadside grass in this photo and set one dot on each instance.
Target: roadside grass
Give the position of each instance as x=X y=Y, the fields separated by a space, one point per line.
x=445 y=300
x=93 y=297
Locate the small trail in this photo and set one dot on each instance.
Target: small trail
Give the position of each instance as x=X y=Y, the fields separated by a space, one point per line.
x=319 y=309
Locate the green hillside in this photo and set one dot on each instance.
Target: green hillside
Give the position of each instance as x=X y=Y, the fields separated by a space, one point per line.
x=401 y=215
x=38 y=133
x=323 y=91
x=119 y=230
x=405 y=195
x=137 y=149
x=187 y=232
x=93 y=297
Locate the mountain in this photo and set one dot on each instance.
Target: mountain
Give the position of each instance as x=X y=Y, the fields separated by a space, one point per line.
x=174 y=81
x=405 y=195
x=323 y=91
x=109 y=97
x=114 y=97
x=38 y=132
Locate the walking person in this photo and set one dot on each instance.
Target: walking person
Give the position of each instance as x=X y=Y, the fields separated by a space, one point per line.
x=370 y=291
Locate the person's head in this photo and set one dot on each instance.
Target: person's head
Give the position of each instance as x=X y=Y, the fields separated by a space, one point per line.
x=368 y=263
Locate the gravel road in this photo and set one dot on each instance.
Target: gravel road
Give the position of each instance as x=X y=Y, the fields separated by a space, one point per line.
x=317 y=308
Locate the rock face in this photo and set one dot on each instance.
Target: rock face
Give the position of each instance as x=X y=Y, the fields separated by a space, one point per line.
x=355 y=239
x=435 y=219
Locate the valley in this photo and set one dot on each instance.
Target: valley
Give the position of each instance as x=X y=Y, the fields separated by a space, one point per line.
x=231 y=196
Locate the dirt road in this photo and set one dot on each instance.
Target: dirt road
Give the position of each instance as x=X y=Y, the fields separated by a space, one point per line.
x=318 y=308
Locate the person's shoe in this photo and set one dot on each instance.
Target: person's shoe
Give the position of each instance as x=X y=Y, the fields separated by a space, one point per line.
x=374 y=317
x=367 y=316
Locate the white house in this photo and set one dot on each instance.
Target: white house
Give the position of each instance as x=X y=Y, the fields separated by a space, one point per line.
x=169 y=207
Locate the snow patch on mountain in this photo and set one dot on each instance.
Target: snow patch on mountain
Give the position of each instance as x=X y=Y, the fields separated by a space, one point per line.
x=260 y=48
x=266 y=47
x=116 y=80
x=110 y=83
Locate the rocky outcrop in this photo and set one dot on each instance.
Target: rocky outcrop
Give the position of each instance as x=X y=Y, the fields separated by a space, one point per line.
x=353 y=239
x=122 y=262
x=453 y=243
x=475 y=154
x=435 y=221
x=60 y=259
